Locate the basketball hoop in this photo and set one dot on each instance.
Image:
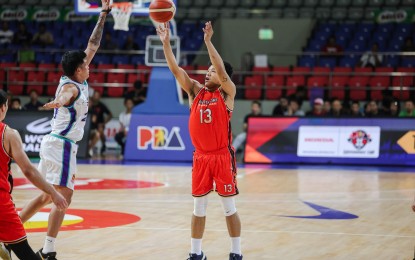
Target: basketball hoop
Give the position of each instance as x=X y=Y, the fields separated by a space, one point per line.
x=121 y=13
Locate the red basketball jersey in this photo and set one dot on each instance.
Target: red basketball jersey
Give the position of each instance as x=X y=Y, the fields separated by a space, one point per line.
x=5 y=161
x=209 y=123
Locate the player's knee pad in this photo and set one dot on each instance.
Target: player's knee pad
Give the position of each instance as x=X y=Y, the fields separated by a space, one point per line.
x=228 y=204
x=200 y=206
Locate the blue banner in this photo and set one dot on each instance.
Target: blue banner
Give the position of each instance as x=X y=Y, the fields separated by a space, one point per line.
x=159 y=138
x=369 y=141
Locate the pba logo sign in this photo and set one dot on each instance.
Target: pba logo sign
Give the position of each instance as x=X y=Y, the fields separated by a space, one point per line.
x=159 y=138
x=359 y=139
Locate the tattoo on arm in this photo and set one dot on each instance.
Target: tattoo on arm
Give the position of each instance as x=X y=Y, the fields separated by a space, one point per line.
x=96 y=35
x=224 y=79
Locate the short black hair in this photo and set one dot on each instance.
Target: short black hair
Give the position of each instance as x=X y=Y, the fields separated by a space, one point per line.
x=228 y=68
x=16 y=99
x=3 y=97
x=256 y=102
x=71 y=60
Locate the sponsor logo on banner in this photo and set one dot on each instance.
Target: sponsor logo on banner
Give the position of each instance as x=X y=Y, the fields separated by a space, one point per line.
x=36 y=130
x=334 y=141
x=359 y=139
x=159 y=138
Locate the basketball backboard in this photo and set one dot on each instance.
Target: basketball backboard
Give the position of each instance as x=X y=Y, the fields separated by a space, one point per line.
x=154 y=50
x=91 y=7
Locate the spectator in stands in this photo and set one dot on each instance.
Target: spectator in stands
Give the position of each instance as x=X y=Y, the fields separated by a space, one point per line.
x=43 y=37
x=101 y=115
x=394 y=108
x=34 y=103
x=16 y=104
x=22 y=36
x=372 y=58
x=408 y=45
x=372 y=109
x=409 y=110
x=6 y=35
x=281 y=108
x=240 y=139
x=247 y=62
x=332 y=49
x=355 y=109
x=138 y=95
x=108 y=43
x=327 y=107
x=336 y=108
x=317 y=110
x=130 y=45
x=294 y=108
x=124 y=119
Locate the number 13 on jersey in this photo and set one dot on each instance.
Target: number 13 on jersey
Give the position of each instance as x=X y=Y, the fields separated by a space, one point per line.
x=205 y=116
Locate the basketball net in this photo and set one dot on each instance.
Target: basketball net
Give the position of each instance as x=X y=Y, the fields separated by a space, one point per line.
x=121 y=13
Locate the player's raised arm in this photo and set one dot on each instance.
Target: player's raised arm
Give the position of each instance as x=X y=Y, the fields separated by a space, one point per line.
x=13 y=144
x=226 y=83
x=95 y=39
x=68 y=93
x=184 y=80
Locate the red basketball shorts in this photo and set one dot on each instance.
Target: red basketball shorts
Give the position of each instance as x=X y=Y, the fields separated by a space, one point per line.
x=214 y=171
x=11 y=227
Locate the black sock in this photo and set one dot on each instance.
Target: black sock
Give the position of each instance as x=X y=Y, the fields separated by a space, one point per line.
x=23 y=250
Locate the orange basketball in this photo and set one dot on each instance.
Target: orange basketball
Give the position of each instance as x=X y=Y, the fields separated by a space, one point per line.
x=162 y=11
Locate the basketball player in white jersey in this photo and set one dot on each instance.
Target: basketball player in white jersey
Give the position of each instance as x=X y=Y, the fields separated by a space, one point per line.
x=58 y=149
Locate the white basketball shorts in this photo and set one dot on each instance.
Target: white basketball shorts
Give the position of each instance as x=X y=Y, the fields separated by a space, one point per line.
x=58 y=160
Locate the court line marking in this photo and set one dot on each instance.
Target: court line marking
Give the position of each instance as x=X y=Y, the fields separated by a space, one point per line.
x=272 y=231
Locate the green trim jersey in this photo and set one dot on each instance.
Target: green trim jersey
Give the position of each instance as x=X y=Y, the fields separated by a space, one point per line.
x=69 y=121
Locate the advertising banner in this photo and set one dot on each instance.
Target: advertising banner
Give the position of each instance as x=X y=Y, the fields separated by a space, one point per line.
x=328 y=140
x=159 y=138
x=34 y=125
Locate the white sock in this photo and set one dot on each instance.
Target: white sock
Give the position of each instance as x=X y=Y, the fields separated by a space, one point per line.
x=49 y=245
x=236 y=245
x=196 y=246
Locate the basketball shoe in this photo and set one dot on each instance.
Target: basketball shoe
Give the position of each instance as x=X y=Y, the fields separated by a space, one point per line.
x=48 y=256
x=4 y=252
x=197 y=257
x=233 y=256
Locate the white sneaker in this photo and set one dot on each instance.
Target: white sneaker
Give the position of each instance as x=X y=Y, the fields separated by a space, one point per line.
x=4 y=253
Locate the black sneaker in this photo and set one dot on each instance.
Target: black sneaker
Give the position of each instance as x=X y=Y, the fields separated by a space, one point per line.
x=5 y=252
x=197 y=257
x=233 y=256
x=48 y=256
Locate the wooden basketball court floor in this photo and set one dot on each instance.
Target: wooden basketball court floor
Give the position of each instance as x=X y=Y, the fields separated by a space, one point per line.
x=380 y=198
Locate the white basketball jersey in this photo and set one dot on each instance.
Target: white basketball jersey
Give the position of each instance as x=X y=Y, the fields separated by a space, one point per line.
x=69 y=121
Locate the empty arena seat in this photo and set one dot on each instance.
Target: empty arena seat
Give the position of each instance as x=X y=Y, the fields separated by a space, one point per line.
x=253 y=87
x=126 y=66
x=115 y=91
x=102 y=66
x=132 y=77
x=274 y=86
x=401 y=84
x=293 y=82
x=198 y=77
x=377 y=85
x=358 y=86
x=337 y=86
x=116 y=78
x=317 y=81
x=96 y=78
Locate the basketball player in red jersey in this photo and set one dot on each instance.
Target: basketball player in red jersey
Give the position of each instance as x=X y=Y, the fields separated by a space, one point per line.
x=12 y=232
x=214 y=165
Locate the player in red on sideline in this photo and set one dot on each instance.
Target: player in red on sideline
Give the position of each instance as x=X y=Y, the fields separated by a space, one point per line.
x=214 y=164
x=12 y=233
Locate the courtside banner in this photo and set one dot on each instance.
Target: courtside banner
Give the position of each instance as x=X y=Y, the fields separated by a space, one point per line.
x=329 y=140
x=159 y=138
x=34 y=125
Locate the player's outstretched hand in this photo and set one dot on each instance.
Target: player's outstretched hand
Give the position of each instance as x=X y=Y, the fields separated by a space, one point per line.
x=59 y=201
x=164 y=32
x=105 y=4
x=208 y=30
x=52 y=104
